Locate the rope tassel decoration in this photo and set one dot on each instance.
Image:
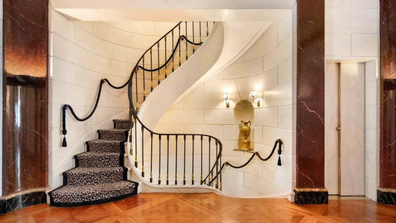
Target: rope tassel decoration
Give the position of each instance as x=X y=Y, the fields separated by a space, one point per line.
x=280 y=152
x=64 y=131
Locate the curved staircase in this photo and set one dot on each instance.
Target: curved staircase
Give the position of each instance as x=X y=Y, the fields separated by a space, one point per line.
x=100 y=175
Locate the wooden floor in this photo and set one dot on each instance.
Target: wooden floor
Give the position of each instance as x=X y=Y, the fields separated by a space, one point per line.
x=192 y=208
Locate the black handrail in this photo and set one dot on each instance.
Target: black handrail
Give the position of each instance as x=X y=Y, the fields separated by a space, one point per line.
x=70 y=108
x=278 y=143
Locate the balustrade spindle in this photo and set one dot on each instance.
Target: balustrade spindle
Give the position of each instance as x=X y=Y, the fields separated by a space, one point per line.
x=142 y=151
x=144 y=81
x=166 y=65
x=207 y=29
x=136 y=88
x=179 y=46
x=186 y=43
x=221 y=187
x=151 y=158
x=159 y=73
x=184 y=161
x=173 y=47
x=151 y=66
x=209 y=164
x=200 y=32
x=159 y=156
x=176 y=163
x=136 y=144
x=193 y=31
x=167 y=159
x=192 y=166
x=201 y=160
x=217 y=166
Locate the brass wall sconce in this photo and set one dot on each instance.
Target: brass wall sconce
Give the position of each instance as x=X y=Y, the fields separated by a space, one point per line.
x=227 y=100
x=256 y=97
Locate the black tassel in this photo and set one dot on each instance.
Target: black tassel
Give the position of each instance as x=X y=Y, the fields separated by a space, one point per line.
x=64 y=143
x=279 y=161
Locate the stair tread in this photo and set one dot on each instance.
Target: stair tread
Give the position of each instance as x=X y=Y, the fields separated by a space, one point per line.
x=104 y=141
x=120 y=120
x=94 y=170
x=113 y=130
x=67 y=195
x=96 y=154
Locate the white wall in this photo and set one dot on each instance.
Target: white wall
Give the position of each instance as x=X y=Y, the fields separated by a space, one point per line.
x=352 y=28
x=81 y=54
x=372 y=130
x=266 y=66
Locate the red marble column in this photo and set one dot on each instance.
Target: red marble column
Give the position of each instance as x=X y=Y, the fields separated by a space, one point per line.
x=310 y=103
x=25 y=107
x=387 y=192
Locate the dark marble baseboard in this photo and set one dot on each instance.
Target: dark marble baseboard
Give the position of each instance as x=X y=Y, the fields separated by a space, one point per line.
x=21 y=201
x=311 y=197
x=385 y=197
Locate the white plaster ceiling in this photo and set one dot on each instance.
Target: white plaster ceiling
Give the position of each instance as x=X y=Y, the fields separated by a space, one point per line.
x=174 y=10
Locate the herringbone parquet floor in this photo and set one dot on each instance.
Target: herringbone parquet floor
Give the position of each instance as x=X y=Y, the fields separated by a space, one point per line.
x=209 y=208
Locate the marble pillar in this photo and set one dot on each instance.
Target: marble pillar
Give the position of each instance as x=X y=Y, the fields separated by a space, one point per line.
x=310 y=137
x=25 y=107
x=386 y=194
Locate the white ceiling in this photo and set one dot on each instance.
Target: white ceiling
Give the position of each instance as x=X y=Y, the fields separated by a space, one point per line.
x=174 y=10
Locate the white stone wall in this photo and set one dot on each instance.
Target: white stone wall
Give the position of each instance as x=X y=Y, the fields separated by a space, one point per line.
x=266 y=66
x=352 y=28
x=81 y=54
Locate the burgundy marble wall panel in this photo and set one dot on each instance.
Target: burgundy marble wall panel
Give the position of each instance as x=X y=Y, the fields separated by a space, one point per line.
x=388 y=94
x=310 y=93
x=25 y=107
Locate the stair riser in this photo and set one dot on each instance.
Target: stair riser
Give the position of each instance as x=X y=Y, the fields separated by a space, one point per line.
x=94 y=178
x=109 y=135
x=121 y=124
x=106 y=147
x=98 y=161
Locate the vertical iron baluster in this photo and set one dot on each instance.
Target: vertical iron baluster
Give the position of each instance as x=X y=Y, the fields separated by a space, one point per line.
x=167 y=159
x=207 y=29
x=186 y=44
x=179 y=46
x=151 y=158
x=173 y=55
x=142 y=151
x=159 y=162
x=136 y=144
x=210 y=173
x=166 y=65
x=200 y=32
x=184 y=161
x=201 y=160
x=176 y=163
x=136 y=88
x=221 y=154
x=159 y=79
x=151 y=66
x=217 y=166
x=144 y=82
x=192 y=172
x=193 y=37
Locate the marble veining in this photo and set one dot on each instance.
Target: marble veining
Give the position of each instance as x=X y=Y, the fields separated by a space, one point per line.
x=21 y=201
x=384 y=197
x=310 y=94
x=311 y=197
x=387 y=95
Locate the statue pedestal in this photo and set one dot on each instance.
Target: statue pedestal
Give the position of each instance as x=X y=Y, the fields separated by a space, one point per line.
x=243 y=150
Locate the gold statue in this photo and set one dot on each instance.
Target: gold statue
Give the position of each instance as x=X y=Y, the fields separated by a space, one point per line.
x=244 y=128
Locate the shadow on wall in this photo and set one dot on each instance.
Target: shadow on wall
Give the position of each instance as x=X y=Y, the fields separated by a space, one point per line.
x=244 y=111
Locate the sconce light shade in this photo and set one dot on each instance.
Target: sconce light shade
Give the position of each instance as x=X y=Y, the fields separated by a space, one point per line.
x=227 y=101
x=256 y=96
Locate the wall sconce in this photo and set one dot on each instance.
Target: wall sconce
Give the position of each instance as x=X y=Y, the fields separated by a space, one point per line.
x=227 y=100
x=256 y=97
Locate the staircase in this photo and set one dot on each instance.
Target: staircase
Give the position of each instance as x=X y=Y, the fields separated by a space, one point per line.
x=99 y=175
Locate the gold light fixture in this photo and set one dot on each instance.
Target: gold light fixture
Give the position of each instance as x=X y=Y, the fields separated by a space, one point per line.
x=256 y=97
x=227 y=100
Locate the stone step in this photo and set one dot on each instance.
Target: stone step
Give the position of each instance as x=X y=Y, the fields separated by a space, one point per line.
x=98 y=160
x=121 y=124
x=113 y=134
x=105 y=146
x=81 y=176
x=69 y=195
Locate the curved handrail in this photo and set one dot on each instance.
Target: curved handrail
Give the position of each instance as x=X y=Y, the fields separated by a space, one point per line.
x=251 y=158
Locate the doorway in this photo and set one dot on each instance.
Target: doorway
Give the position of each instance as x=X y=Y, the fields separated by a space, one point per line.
x=345 y=129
